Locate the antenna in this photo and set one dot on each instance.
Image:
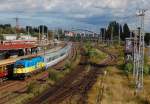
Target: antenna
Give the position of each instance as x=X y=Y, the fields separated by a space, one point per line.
x=17 y=24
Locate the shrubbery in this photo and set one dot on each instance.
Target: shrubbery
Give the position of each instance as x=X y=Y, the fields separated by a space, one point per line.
x=67 y=65
x=31 y=88
x=128 y=68
x=53 y=75
x=93 y=54
x=146 y=70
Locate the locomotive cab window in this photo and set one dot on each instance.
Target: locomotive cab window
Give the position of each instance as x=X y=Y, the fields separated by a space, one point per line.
x=19 y=66
x=50 y=59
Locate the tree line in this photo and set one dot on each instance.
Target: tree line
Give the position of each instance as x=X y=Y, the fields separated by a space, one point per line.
x=9 y=29
x=34 y=31
x=114 y=28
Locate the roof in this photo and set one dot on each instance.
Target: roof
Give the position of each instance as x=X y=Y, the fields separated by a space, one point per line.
x=9 y=34
x=16 y=46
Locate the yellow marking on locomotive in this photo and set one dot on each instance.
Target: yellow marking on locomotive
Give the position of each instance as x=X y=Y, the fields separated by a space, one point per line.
x=29 y=69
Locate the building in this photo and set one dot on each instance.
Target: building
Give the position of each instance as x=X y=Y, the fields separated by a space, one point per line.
x=70 y=34
x=10 y=37
x=27 y=37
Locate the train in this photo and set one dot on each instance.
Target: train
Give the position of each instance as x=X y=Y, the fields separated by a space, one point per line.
x=3 y=73
x=26 y=67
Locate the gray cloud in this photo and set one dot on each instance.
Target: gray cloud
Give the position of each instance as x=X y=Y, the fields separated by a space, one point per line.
x=77 y=10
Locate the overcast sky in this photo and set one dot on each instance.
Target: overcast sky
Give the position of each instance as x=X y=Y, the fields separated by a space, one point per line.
x=91 y=14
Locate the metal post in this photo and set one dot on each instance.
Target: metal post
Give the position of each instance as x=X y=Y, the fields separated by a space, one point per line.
x=58 y=35
x=135 y=55
x=43 y=30
x=100 y=36
x=104 y=35
x=112 y=34
x=47 y=36
x=39 y=34
x=28 y=32
x=119 y=34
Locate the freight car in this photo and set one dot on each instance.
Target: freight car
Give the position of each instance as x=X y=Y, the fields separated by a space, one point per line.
x=26 y=67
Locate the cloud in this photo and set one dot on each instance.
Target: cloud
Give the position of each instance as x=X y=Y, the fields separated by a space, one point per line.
x=88 y=12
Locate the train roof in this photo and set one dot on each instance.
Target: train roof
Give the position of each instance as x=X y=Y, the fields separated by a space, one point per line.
x=31 y=58
x=27 y=60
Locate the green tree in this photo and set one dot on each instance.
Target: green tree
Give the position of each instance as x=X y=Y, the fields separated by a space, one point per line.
x=113 y=28
x=147 y=38
x=126 y=32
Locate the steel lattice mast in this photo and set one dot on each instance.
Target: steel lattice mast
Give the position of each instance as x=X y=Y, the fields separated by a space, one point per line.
x=139 y=52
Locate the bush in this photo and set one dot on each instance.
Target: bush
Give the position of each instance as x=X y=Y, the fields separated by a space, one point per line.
x=31 y=86
x=145 y=59
x=146 y=70
x=67 y=65
x=53 y=75
x=128 y=67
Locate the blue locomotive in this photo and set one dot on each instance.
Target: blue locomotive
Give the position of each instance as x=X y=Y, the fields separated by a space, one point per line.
x=25 y=67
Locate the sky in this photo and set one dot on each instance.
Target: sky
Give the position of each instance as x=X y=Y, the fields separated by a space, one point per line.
x=85 y=14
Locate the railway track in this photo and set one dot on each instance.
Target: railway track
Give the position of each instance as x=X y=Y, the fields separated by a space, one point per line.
x=78 y=82
x=10 y=84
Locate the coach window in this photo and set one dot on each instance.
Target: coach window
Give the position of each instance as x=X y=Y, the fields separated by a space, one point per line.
x=50 y=59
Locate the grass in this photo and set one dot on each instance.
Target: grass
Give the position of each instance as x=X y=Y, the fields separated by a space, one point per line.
x=33 y=90
x=98 y=57
x=119 y=89
x=94 y=55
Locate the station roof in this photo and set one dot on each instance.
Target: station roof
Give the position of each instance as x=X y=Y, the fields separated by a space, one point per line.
x=4 y=47
x=13 y=60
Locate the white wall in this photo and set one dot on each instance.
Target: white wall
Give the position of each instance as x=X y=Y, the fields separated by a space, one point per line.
x=10 y=36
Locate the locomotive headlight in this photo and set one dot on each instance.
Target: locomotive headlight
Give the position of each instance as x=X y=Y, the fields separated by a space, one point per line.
x=18 y=70
x=15 y=70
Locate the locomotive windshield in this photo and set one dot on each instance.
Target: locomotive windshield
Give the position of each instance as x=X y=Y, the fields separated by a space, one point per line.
x=19 y=66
